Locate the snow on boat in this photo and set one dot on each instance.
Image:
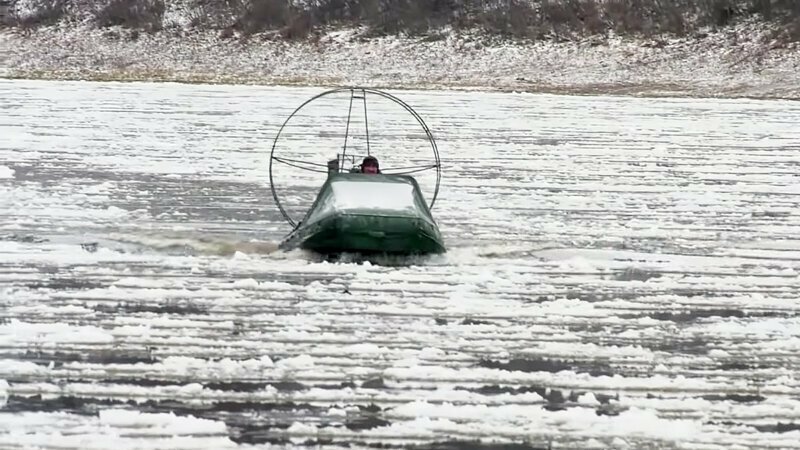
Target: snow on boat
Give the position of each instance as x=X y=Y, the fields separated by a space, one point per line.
x=361 y=209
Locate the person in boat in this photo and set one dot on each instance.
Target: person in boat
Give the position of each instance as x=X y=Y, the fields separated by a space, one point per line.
x=370 y=165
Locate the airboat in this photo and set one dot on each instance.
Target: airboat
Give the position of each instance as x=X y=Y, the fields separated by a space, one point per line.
x=360 y=208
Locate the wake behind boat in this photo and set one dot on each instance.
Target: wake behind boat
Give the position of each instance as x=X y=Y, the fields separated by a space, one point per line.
x=361 y=208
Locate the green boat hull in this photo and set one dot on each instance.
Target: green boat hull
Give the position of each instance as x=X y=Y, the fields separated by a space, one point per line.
x=368 y=214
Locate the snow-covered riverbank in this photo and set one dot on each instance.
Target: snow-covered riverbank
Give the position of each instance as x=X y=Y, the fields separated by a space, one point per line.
x=742 y=61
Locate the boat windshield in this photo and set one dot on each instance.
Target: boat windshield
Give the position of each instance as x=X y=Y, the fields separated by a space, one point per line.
x=394 y=197
x=360 y=195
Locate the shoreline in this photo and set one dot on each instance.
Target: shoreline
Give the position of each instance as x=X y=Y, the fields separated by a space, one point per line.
x=621 y=90
x=679 y=68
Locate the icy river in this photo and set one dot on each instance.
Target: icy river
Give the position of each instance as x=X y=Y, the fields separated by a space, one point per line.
x=622 y=273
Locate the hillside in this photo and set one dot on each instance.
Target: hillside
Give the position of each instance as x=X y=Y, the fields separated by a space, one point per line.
x=680 y=47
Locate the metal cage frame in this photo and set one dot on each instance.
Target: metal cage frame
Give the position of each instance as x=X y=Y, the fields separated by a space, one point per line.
x=355 y=93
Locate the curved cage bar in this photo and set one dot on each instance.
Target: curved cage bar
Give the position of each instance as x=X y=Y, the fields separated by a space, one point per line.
x=318 y=167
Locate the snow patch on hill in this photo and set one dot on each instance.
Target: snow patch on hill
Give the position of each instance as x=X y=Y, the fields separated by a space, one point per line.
x=741 y=61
